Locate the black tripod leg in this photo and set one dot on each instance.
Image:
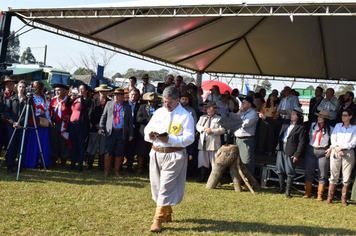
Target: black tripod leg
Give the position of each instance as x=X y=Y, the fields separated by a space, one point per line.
x=38 y=140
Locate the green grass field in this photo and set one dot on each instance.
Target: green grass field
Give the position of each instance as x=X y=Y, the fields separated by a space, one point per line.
x=69 y=203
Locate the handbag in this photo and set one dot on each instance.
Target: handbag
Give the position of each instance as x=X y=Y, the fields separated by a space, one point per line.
x=42 y=122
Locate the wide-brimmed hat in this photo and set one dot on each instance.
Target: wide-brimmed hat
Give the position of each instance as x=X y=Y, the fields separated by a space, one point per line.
x=9 y=79
x=186 y=95
x=145 y=76
x=119 y=91
x=62 y=86
x=212 y=104
x=250 y=100
x=298 y=110
x=324 y=114
x=152 y=97
x=103 y=88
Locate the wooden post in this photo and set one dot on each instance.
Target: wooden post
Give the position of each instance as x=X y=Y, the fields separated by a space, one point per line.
x=228 y=156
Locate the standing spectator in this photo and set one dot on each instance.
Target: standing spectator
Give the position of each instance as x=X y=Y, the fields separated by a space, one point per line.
x=258 y=101
x=13 y=109
x=196 y=98
x=343 y=142
x=79 y=125
x=331 y=104
x=223 y=105
x=115 y=124
x=318 y=153
x=184 y=101
x=168 y=158
x=209 y=141
x=314 y=103
x=235 y=102
x=33 y=156
x=347 y=104
x=288 y=102
x=290 y=147
x=214 y=94
x=144 y=115
x=182 y=87
x=9 y=84
x=97 y=141
x=266 y=143
x=246 y=133
x=132 y=82
x=145 y=86
x=169 y=81
x=179 y=80
x=278 y=100
x=130 y=146
x=59 y=136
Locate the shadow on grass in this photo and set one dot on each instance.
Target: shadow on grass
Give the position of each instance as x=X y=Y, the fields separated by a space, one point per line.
x=207 y=225
x=93 y=177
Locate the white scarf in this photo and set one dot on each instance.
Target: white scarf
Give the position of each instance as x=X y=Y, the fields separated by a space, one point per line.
x=59 y=107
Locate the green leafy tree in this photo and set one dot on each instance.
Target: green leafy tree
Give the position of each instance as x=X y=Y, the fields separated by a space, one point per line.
x=343 y=89
x=117 y=75
x=13 y=49
x=266 y=84
x=154 y=75
x=83 y=71
x=323 y=86
x=27 y=57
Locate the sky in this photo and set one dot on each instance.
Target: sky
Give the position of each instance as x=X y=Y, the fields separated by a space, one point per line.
x=62 y=51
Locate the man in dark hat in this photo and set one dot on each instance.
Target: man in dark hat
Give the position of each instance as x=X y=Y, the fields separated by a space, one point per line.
x=115 y=124
x=9 y=84
x=210 y=140
x=97 y=141
x=245 y=135
x=59 y=113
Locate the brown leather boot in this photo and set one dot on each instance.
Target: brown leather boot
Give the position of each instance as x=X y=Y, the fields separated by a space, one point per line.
x=107 y=163
x=331 y=193
x=156 y=226
x=169 y=215
x=321 y=190
x=308 y=188
x=117 y=165
x=344 y=192
x=139 y=165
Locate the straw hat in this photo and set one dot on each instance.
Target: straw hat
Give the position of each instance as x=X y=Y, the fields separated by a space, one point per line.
x=119 y=91
x=9 y=79
x=152 y=97
x=323 y=113
x=103 y=88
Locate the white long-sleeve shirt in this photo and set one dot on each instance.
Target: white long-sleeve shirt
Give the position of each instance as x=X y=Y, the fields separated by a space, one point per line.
x=342 y=137
x=179 y=124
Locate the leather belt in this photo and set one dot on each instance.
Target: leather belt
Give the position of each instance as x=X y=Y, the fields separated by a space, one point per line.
x=167 y=149
x=245 y=137
x=318 y=148
x=117 y=130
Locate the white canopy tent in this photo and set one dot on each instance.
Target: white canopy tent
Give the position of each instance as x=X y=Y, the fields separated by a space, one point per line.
x=304 y=39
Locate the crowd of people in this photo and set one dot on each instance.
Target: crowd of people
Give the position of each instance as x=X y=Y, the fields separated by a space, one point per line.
x=117 y=129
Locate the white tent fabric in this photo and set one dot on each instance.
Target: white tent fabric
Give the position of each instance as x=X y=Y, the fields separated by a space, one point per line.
x=282 y=38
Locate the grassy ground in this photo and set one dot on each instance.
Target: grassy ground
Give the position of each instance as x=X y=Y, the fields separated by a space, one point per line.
x=63 y=202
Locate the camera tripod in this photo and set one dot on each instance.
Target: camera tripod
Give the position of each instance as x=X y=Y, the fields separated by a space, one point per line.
x=25 y=111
